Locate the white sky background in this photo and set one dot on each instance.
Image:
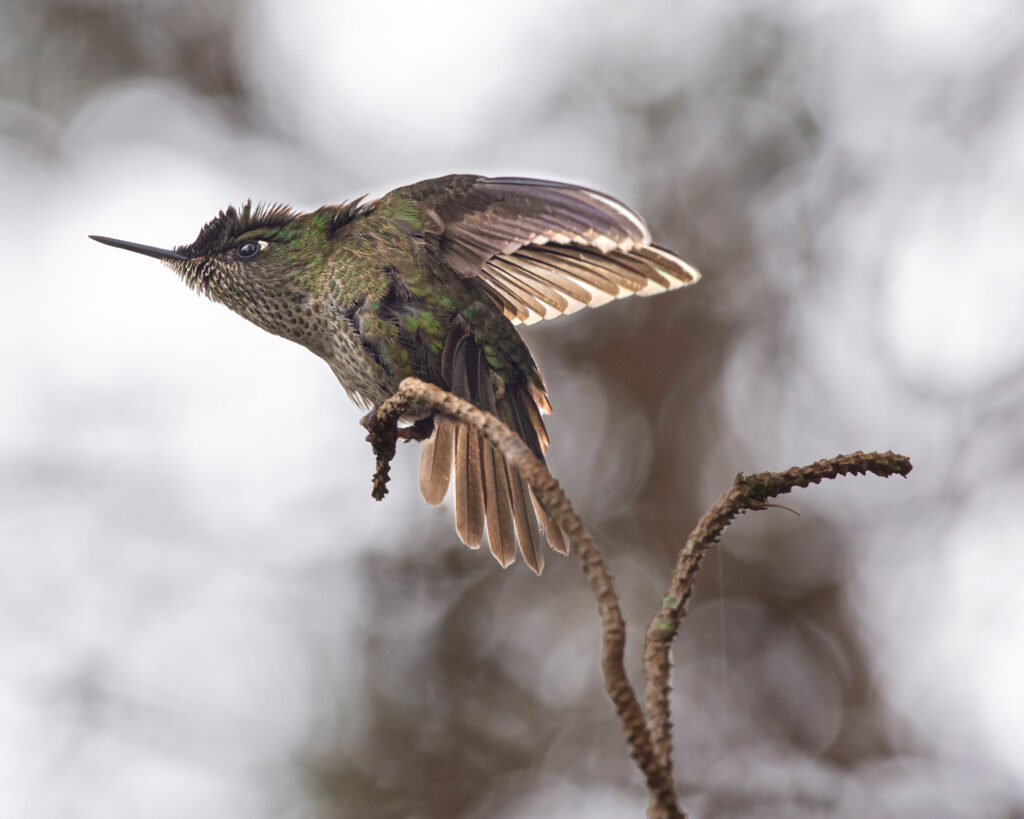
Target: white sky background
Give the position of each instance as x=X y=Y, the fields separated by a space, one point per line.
x=149 y=540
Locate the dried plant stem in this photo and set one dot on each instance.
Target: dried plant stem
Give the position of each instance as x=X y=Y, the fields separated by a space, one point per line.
x=413 y=392
x=650 y=738
x=745 y=493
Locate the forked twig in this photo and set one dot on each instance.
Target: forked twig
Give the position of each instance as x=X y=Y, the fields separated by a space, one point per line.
x=649 y=738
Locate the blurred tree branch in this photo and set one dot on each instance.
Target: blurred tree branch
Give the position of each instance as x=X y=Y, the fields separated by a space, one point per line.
x=650 y=737
x=746 y=493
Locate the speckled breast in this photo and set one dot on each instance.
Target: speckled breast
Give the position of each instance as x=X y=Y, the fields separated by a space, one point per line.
x=364 y=379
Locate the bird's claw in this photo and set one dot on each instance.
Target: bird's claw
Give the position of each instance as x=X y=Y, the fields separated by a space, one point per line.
x=419 y=431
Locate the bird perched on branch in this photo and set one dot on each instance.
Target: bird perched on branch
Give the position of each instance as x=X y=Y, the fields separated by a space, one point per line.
x=429 y=281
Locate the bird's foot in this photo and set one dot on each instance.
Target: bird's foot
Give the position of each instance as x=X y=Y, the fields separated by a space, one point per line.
x=383 y=437
x=419 y=431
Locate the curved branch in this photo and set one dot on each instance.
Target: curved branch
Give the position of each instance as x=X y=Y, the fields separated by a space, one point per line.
x=382 y=423
x=650 y=738
x=745 y=493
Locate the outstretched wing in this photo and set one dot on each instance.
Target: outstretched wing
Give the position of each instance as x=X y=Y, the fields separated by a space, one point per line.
x=546 y=248
x=539 y=249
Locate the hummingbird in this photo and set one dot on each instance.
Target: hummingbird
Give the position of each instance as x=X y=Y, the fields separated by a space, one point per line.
x=430 y=280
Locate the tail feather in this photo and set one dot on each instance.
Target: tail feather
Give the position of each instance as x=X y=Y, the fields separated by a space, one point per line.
x=553 y=532
x=527 y=529
x=436 y=461
x=469 y=487
x=518 y=417
x=500 y=532
x=490 y=495
x=535 y=421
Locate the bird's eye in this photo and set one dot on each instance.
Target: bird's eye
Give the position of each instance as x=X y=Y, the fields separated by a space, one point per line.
x=247 y=250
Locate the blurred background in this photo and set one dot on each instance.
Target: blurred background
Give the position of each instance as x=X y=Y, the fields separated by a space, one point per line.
x=205 y=614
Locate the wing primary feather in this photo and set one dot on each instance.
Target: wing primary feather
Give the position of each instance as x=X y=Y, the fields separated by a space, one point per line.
x=550 y=257
x=587 y=208
x=646 y=272
x=670 y=264
x=533 y=413
x=543 y=404
x=614 y=214
x=615 y=263
x=520 y=290
x=536 y=285
x=554 y=276
x=622 y=210
x=600 y=263
x=523 y=423
x=472 y=240
x=509 y=302
x=503 y=235
x=575 y=245
x=502 y=299
x=547 y=273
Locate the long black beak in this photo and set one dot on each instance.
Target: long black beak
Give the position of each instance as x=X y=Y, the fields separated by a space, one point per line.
x=145 y=250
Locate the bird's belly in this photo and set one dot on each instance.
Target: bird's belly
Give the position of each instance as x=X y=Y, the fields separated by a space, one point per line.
x=364 y=379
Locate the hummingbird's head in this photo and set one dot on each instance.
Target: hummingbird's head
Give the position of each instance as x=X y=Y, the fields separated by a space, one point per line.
x=257 y=260
x=232 y=253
